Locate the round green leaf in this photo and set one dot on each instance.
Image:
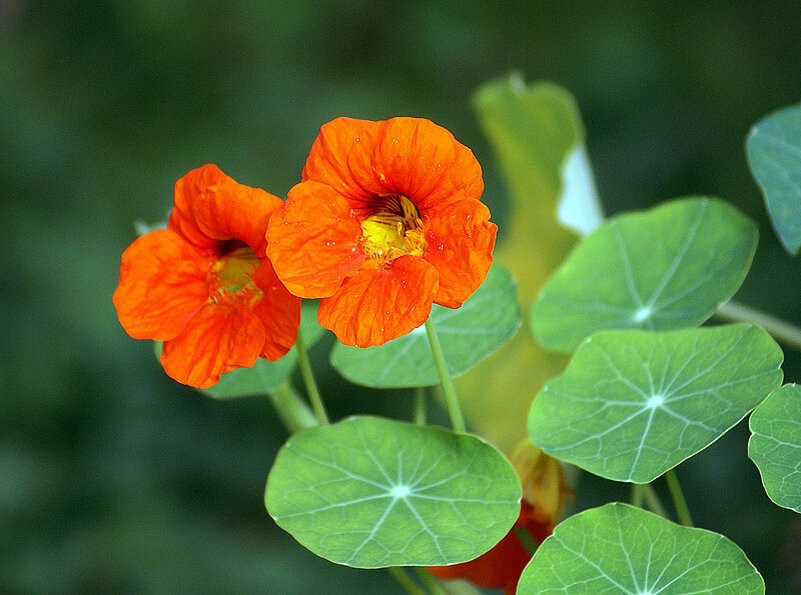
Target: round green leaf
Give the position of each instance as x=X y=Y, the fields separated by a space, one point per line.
x=773 y=148
x=371 y=492
x=634 y=404
x=666 y=268
x=621 y=549
x=265 y=376
x=775 y=445
x=487 y=320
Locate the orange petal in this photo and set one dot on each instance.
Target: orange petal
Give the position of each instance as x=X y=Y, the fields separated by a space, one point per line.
x=279 y=312
x=424 y=162
x=341 y=157
x=460 y=240
x=162 y=284
x=411 y=156
x=313 y=241
x=211 y=208
x=377 y=305
x=216 y=340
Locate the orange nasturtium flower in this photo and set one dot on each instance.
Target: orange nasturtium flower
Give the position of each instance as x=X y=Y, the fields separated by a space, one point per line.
x=386 y=221
x=205 y=286
x=545 y=491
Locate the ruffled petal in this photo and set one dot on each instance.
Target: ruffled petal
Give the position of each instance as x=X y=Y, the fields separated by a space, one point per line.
x=216 y=340
x=212 y=208
x=377 y=305
x=410 y=156
x=163 y=282
x=313 y=241
x=423 y=161
x=279 y=312
x=341 y=157
x=460 y=240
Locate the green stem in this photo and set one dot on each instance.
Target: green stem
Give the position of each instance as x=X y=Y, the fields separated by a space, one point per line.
x=526 y=540
x=294 y=413
x=405 y=581
x=430 y=581
x=782 y=331
x=653 y=501
x=637 y=494
x=455 y=412
x=308 y=379
x=420 y=405
x=679 y=503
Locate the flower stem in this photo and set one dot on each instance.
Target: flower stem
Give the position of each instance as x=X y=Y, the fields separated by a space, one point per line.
x=782 y=331
x=455 y=412
x=637 y=494
x=420 y=405
x=405 y=581
x=652 y=500
x=526 y=540
x=294 y=413
x=679 y=503
x=308 y=379
x=430 y=581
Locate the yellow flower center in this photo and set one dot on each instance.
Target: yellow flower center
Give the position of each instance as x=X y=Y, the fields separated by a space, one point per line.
x=393 y=229
x=231 y=276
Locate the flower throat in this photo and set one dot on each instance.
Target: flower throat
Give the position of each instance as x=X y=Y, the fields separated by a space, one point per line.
x=393 y=229
x=231 y=276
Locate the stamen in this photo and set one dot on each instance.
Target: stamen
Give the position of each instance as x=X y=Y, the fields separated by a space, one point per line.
x=231 y=275
x=392 y=229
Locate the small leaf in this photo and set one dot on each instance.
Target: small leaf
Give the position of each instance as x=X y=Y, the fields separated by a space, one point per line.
x=621 y=549
x=265 y=376
x=634 y=404
x=262 y=377
x=662 y=269
x=775 y=445
x=467 y=335
x=371 y=492
x=773 y=148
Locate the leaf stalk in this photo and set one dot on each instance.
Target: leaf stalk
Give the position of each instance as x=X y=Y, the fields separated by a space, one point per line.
x=452 y=401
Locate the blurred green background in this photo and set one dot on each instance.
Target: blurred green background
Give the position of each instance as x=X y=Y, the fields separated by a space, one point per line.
x=113 y=478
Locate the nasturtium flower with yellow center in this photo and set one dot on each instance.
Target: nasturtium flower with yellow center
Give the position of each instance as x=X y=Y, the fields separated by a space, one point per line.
x=204 y=286
x=385 y=222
